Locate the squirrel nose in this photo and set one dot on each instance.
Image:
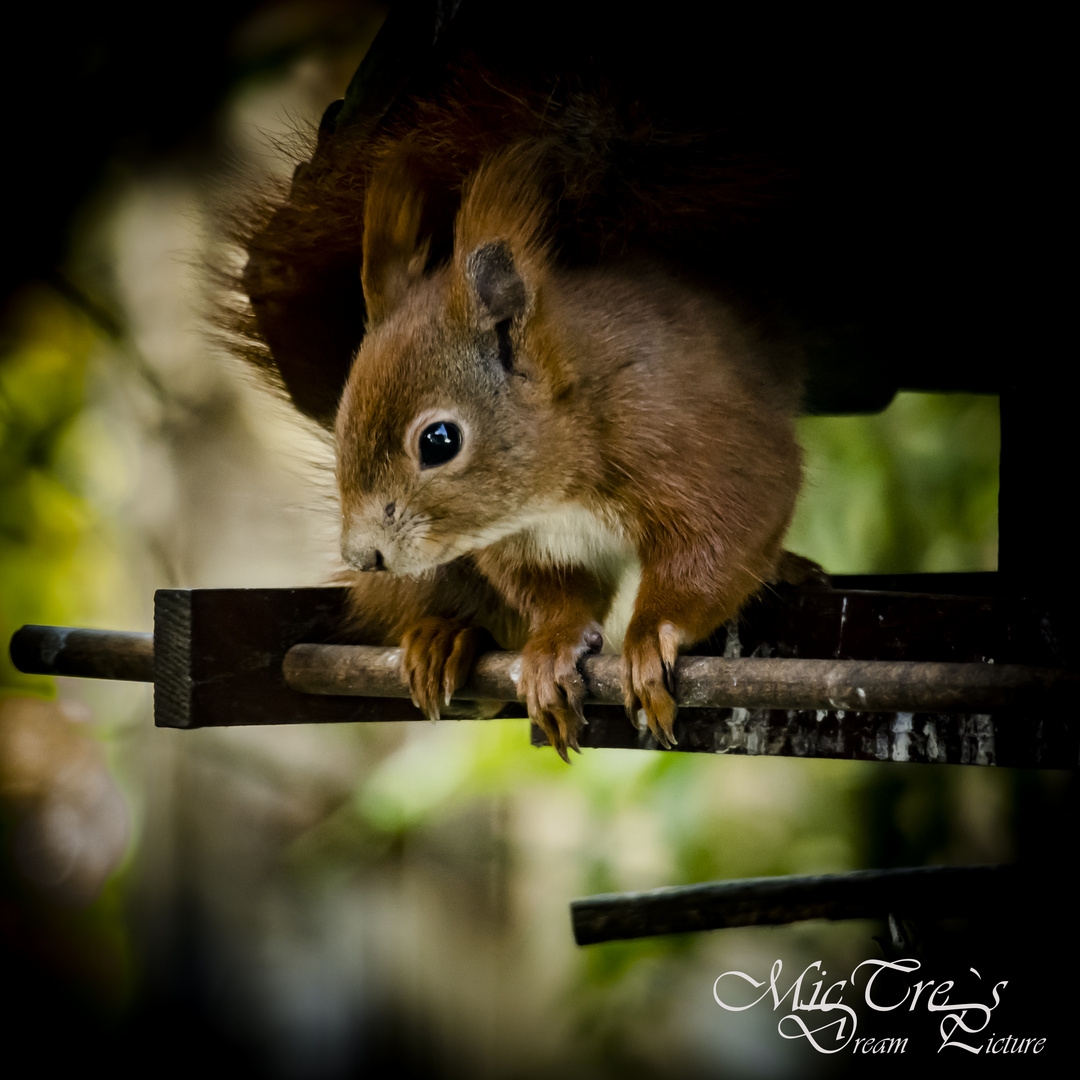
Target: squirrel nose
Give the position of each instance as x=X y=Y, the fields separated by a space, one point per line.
x=364 y=558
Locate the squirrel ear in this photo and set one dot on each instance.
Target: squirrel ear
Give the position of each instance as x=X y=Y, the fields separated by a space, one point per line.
x=393 y=255
x=497 y=287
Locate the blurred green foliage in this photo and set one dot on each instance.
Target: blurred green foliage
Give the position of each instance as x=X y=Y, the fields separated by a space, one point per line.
x=912 y=489
x=66 y=468
x=59 y=563
x=46 y=522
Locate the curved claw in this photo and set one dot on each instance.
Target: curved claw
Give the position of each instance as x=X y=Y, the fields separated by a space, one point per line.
x=648 y=672
x=436 y=657
x=553 y=689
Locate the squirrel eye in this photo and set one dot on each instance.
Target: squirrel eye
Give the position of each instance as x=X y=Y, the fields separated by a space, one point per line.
x=439 y=443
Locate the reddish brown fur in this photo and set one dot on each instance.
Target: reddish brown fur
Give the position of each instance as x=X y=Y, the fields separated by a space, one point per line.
x=641 y=418
x=623 y=180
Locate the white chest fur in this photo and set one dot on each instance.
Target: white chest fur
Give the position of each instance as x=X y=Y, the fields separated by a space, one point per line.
x=569 y=535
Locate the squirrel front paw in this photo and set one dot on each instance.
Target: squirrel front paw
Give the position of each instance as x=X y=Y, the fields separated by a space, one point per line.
x=552 y=687
x=436 y=657
x=648 y=676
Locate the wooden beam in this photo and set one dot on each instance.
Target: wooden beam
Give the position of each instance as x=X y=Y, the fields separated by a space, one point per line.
x=933 y=891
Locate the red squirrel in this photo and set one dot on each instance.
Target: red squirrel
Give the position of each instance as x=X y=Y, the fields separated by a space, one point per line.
x=582 y=240
x=565 y=458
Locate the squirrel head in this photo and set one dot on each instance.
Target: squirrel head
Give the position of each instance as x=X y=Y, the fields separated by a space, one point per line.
x=443 y=432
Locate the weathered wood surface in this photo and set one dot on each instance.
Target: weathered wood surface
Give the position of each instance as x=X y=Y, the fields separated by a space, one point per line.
x=844 y=672
x=84 y=654
x=221 y=656
x=711 y=681
x=937 y=892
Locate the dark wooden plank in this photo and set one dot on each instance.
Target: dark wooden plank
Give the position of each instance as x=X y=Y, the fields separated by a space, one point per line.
x=220 y=655
x=1016 y=740
x=858 y=624
x=220 y=651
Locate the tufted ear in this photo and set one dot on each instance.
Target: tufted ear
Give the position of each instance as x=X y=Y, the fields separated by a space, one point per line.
x=497 y=289
x=394 y=256
x=501 y=234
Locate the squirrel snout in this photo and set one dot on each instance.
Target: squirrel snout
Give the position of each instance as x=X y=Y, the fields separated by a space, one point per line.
x=364 y=541
x=363 y=558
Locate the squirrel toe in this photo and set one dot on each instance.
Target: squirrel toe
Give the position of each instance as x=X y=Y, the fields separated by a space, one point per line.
x=436 y=658
x=554 y=692
x=648 y=674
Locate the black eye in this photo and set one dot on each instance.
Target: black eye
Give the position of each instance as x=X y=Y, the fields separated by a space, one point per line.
x=439 y=443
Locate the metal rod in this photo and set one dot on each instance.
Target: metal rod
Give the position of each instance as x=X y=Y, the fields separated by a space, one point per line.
x=708 y=681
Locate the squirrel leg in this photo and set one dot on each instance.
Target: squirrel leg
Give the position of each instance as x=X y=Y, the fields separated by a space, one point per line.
x=564 y=609
x=668 y=614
